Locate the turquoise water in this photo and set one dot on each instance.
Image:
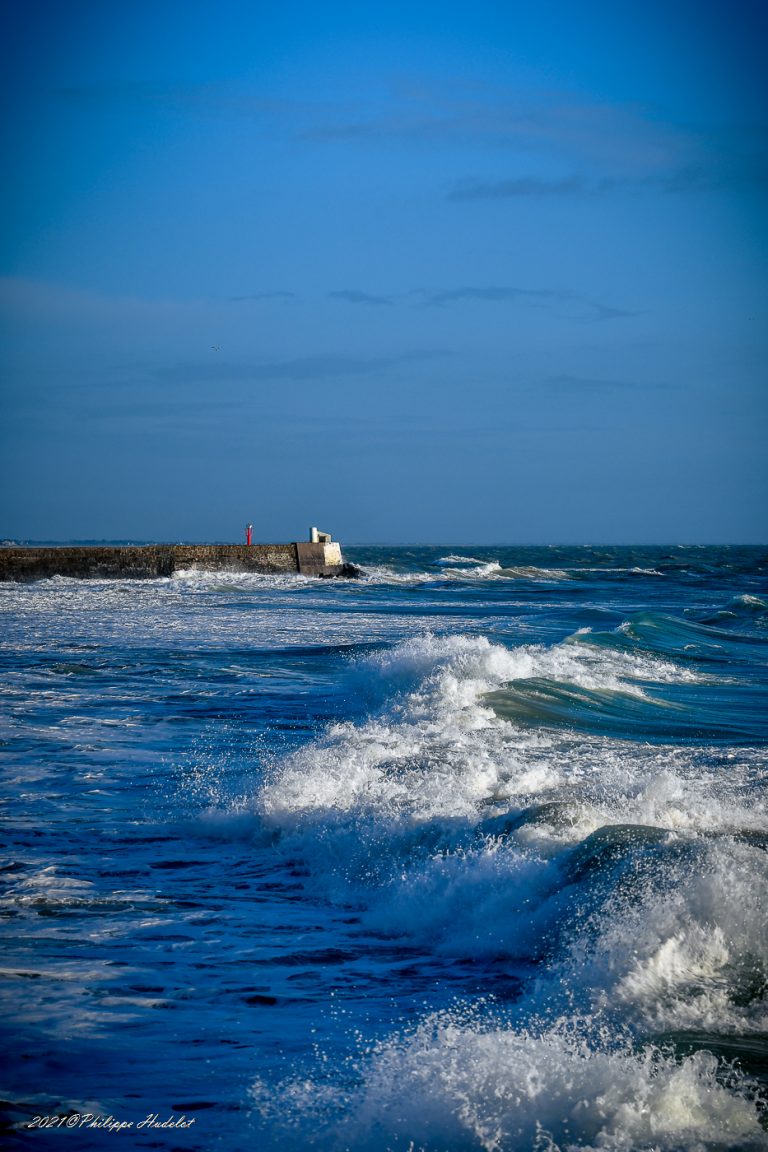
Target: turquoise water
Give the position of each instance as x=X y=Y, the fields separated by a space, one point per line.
x=469 y=853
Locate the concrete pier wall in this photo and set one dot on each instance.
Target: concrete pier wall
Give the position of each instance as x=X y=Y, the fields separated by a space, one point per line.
x=153 y=560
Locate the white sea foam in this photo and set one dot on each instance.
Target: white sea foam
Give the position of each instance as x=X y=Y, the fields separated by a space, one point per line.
x=199 y=579
x=529 y=572
x=507 y=1089
x=431 y=750
x=433 y=747
x=481 y=571
x=653 y=930
x=460 y=1082
x=688 y=949
x=48 y=886
x=470 y=567
x=453 y=560
x=462 y=568
x=386 y=574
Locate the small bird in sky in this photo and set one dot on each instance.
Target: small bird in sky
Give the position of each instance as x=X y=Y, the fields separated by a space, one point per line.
x=216 y=347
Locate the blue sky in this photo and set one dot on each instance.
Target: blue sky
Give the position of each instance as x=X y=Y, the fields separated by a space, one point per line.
x=430 y=272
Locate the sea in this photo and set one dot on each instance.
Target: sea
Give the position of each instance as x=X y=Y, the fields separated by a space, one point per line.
x=467 y=853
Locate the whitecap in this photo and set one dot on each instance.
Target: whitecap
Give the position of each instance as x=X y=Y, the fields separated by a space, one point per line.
x=461 y=1081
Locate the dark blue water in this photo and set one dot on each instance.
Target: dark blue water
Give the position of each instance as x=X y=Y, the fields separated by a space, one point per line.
x=467 y=854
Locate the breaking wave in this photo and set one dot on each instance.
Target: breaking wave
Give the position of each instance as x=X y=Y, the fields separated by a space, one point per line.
x=619 y=887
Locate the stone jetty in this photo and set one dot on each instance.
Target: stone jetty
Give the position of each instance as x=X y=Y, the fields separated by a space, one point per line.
x=147 y=561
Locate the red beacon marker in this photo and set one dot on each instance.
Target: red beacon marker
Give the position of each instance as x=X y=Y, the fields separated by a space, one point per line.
x=249 y=533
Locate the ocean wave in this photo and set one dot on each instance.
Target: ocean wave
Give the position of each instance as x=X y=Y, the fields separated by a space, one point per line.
x=628 y=712
x=183 y=579
x=681 y=640
x=453 y=560
x=629 y=874
x=750 y=603
x=745 y=609
x=543 y=930
x=434 y=714
x=585 y=571
x=529 y=572
x=464 y=569
x=672 y=933
x=198 y=579
x=434 y=745
x=470 y=565
x=387 y=574
x=456 y=829
x=623 y=887
x=462 y=1080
